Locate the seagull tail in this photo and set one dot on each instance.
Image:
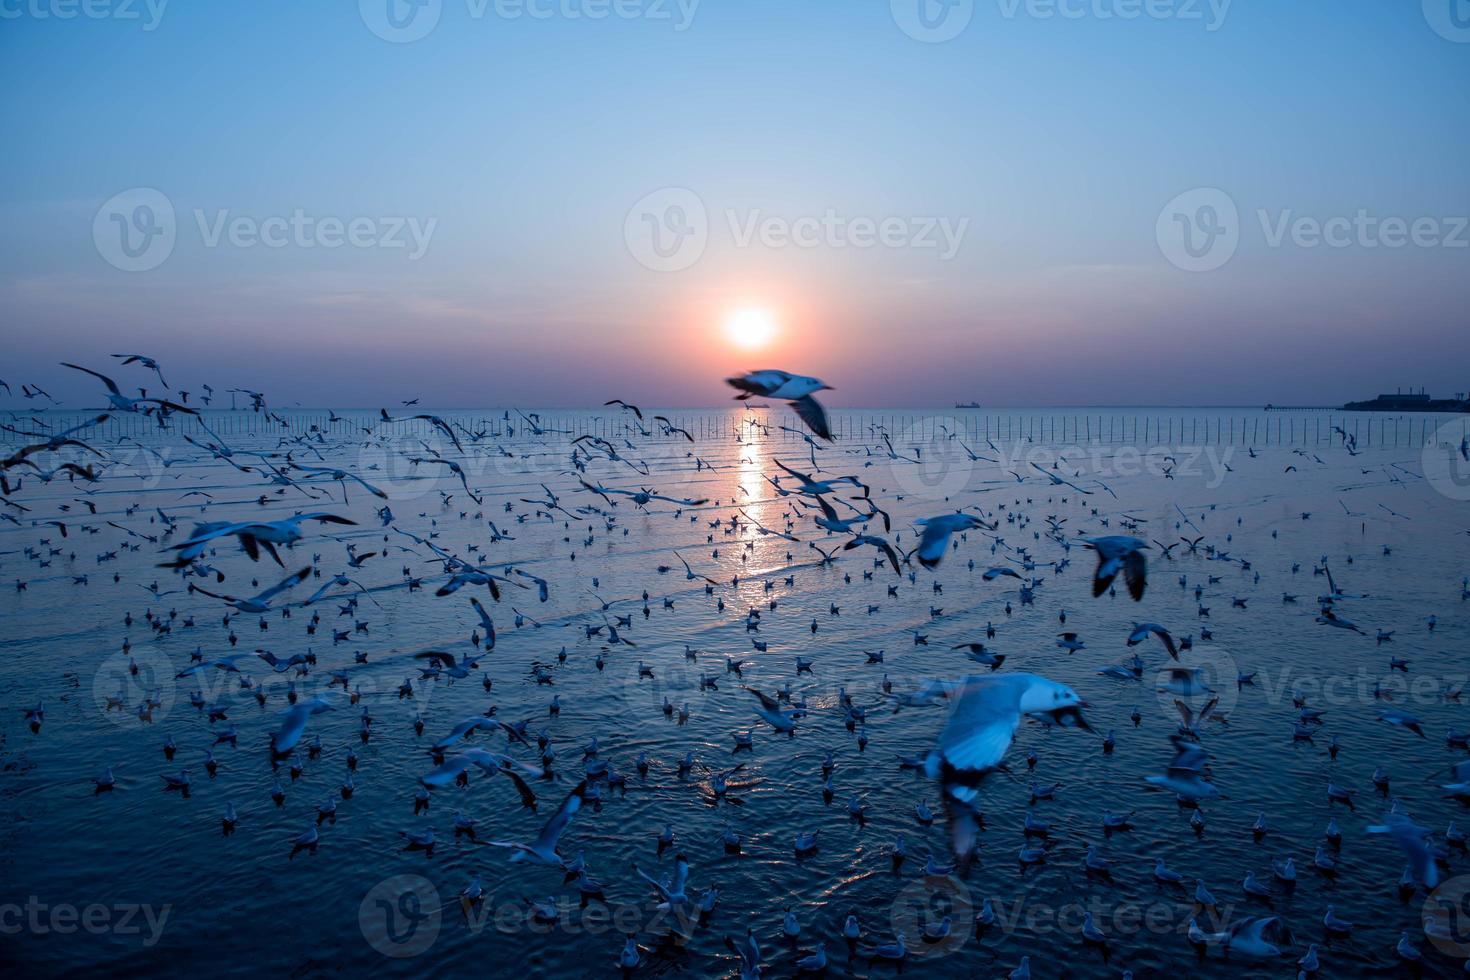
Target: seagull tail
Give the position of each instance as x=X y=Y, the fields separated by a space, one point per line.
x=964 y=831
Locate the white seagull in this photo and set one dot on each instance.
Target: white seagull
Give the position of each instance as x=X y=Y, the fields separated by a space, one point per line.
x=986 y=712
x=543 y=849
x=794 y=388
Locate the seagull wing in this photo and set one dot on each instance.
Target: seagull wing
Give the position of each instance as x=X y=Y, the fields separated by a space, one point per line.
x=663 y=892
x=1135 y=573
x=446 y=772
x=1186 y=716
x=528 y=796
x=814 y=415
x=1210 y=706
x=459 y=731
x=208 y=532
x=933 y=544
x=485 y=759
x=324 y=517
x=440 y=424
x=543 y=589
x=1252 y=930
x=1142 y=630
x=288 y=582
x=212 y=595
x=800 y=476
x=1189 y=757
x=983 y=722
x=887 y=550
x=437 y=656
x=1107 y=570
x=486 y=622
x=293 y=725
x=111 y=385
x=562 y=818
x=367 y=486
x=767 y=702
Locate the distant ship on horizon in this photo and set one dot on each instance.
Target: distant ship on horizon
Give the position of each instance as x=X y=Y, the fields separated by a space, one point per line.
x=966 y=404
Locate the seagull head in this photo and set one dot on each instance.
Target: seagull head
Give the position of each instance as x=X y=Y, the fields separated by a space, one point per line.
x=1055 y=700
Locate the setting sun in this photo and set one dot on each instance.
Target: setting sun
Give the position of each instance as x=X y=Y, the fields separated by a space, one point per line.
x=750 y=329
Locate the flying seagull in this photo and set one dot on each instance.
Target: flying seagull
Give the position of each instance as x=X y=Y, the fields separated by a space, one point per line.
x=1118 y=553
x=543 y=849
x=982 y=722
x=794 y=388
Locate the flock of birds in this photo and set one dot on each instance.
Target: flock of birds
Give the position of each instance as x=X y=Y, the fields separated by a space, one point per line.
x=226 y=601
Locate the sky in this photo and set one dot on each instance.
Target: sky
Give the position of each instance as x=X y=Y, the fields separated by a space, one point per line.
x=555 y=202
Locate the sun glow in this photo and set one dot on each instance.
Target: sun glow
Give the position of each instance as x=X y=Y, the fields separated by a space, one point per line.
x=750 y=329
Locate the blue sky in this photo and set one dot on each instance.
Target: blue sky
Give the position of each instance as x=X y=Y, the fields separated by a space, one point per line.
x=518 y=145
